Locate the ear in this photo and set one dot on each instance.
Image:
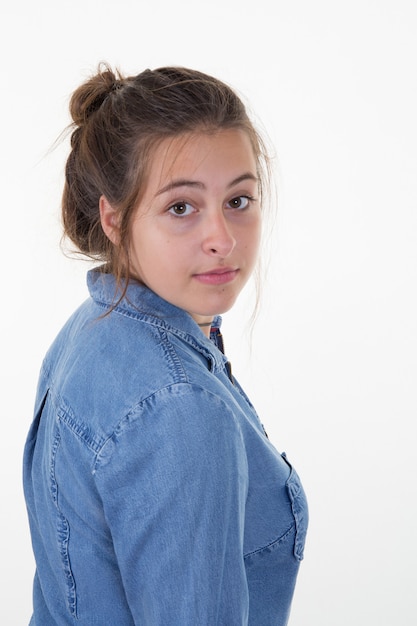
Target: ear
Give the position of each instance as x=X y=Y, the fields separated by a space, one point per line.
x=109 y=220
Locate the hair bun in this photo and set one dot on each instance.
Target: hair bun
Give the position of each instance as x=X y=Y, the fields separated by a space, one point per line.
x=89 y=97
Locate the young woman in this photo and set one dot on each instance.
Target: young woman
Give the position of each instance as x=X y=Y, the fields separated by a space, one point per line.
x=154 y=496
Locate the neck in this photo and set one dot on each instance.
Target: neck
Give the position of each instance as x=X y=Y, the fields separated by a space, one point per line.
x=205 y=327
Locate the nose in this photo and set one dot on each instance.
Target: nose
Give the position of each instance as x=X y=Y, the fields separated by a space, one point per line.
x=218 y=238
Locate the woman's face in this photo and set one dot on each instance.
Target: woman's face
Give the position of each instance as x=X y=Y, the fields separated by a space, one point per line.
x=195 y=233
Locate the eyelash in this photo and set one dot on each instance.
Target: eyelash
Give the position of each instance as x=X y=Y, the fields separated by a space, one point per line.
x=248 y=198
x=176 y=205
x=185 y=204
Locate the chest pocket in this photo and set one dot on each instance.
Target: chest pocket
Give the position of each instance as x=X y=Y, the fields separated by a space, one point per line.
x=299 y=509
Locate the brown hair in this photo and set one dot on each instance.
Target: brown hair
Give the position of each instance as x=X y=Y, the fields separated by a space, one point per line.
x=117 y=122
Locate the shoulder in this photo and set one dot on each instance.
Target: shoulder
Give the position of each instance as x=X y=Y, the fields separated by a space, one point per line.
x=178 y=422
x=100 y=370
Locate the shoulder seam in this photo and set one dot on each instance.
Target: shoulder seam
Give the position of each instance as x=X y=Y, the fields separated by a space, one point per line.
x=177 y=367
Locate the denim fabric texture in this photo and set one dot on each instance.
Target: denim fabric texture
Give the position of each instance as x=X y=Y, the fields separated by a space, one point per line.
x=154 y=496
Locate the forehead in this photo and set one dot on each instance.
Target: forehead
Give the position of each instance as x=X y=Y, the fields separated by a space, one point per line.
x=201 y=154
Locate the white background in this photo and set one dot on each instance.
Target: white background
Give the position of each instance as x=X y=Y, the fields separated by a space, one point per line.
x=333 y=365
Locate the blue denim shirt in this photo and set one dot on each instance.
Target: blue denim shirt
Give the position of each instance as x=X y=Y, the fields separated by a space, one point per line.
x=154 y=496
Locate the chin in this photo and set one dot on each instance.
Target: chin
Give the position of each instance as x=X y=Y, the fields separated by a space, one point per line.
x=216 y=310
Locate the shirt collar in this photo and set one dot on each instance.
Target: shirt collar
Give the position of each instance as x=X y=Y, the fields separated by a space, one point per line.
x=142 y=303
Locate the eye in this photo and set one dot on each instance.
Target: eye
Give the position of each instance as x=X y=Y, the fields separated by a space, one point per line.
x=179 y=209
x=240 y=202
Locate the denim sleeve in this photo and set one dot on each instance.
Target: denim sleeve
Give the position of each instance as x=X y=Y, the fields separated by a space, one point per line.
x=173 y=481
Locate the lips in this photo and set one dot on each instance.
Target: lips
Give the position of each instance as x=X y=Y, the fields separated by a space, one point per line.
x=218 y=276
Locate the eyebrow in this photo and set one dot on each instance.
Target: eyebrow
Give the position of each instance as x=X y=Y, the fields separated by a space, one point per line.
x=184 y=182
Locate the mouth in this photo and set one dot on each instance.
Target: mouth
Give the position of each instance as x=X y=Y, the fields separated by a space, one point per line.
x=218 y=276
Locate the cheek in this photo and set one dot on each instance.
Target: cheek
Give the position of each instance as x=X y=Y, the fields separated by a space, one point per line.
x=254 y=237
